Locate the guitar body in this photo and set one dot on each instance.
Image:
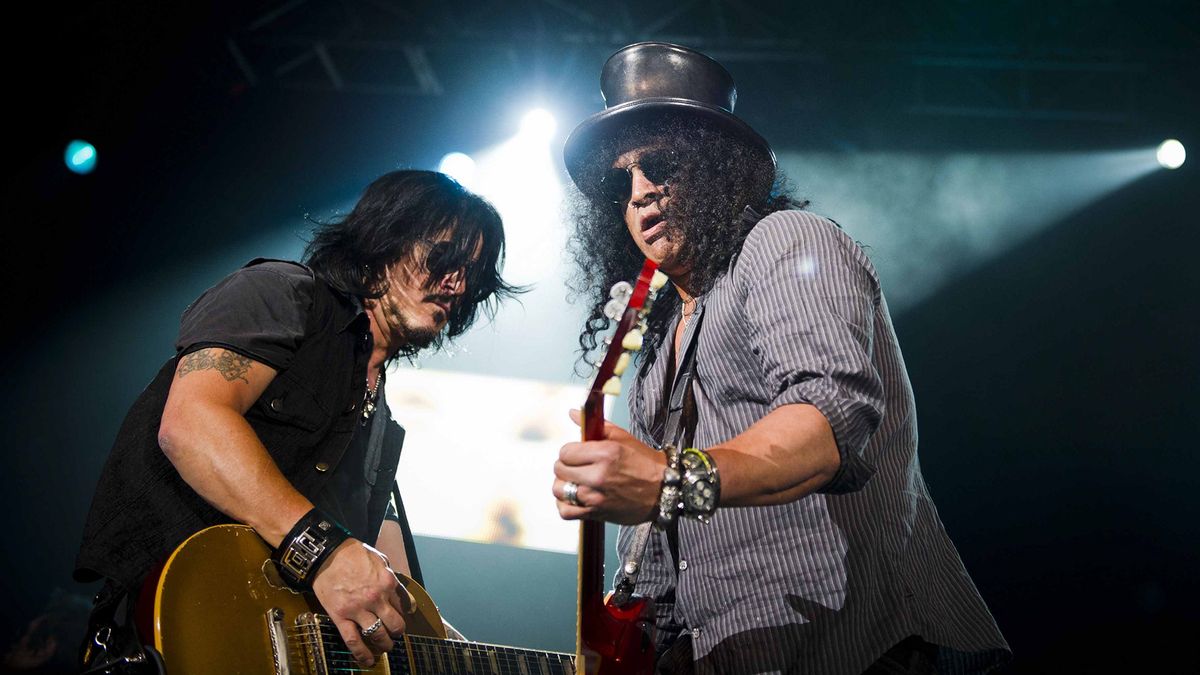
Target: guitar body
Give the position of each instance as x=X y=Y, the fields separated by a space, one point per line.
x=619 y=640
x=220 y=607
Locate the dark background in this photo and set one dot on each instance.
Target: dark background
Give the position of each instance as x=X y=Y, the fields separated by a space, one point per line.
x=1055 y=384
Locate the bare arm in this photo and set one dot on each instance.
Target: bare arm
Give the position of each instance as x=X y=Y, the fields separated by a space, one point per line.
x=391 y=543
x=206 y=436
x=784 y=456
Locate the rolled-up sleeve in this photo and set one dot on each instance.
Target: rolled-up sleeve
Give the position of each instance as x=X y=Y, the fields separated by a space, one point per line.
x=811 y=300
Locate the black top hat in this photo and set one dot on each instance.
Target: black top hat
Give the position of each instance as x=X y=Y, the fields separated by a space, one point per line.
x=648 y=80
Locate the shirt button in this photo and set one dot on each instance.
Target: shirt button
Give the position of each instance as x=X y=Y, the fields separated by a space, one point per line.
x=277 y=404
x=695 y=633
x=322 y=467
x=682 y=565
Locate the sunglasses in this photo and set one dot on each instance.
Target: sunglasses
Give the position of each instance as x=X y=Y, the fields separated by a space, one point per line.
x=658 y=166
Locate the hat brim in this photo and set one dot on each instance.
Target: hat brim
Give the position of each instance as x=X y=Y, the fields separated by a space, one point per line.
x=579 y=148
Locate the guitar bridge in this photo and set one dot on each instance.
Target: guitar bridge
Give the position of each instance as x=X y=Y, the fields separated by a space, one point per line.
x=277 y=635
x=312 y=644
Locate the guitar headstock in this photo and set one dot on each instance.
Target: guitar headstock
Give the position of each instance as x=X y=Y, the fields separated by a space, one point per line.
x=628 y=306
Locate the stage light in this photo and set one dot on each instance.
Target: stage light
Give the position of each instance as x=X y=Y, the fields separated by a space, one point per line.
x=538 y=124
x=80 y=156
x=1171 y=154
x=460 y=167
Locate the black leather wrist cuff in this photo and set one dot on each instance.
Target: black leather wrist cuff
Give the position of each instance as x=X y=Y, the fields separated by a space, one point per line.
x=309 y=543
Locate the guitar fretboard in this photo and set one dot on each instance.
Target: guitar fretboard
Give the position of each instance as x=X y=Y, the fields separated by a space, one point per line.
x=417 y=655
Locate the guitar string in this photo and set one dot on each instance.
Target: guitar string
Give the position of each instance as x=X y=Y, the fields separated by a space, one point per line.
x=305 y=634
x=453 y=648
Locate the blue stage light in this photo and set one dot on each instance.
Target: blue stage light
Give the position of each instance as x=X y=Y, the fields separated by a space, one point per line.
x=80 y=156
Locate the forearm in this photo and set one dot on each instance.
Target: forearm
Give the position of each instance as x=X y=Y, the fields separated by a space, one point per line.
x=784 y=456
x=391 y=544
x=217 y=453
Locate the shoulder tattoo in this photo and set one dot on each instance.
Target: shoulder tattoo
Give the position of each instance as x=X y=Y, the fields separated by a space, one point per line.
x=231 y=365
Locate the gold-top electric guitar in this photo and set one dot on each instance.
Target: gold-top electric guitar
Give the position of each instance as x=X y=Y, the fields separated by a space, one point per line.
x=220 y=608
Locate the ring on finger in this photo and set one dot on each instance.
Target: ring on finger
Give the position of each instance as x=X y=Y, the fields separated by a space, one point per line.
x=372 y=629
x=571 y=493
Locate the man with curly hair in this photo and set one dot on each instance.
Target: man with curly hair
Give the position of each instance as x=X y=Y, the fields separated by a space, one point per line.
x=772 y=436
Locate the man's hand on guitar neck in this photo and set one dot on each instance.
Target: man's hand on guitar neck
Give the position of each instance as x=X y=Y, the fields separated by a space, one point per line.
x=619 y=477
x=357 y=587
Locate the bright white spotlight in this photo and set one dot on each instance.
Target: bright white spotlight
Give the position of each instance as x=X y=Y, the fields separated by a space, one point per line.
x=538 y=124
x=460 y=167
x=1171 y=154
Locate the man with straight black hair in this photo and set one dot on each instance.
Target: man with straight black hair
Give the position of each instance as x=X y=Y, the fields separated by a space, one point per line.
x=272 y=413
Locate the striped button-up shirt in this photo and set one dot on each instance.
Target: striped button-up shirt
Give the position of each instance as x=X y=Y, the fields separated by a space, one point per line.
x=829 y=582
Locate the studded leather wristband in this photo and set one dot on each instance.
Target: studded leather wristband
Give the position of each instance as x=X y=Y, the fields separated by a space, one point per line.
x=309 y=543
x=668 y=497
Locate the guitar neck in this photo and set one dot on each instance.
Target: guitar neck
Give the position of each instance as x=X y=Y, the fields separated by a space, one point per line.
x=416 y=655
x=591 y=532
x=610 y=640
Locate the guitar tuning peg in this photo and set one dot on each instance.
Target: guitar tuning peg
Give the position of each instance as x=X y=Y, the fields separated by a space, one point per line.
x=614 y=309
x=621 y=291
x=613 y=386
x=632 y=340
x=622 y=364
x=658 y=280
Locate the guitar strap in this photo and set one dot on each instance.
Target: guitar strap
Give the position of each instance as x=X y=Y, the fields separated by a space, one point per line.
x=679 y=429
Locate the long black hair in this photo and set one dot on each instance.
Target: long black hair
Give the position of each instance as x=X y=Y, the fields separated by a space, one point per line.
x=719 y=176
x=395 y=212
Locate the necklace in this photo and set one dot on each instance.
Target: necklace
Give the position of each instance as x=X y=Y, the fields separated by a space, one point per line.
x=683 y=308
x=369 y=399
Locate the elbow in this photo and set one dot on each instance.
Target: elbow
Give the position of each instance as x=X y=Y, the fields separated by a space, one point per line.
x=830 y=464
x=845 y=474
x=169 y=437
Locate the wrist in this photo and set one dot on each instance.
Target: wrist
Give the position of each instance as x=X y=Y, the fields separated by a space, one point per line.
x=306 y=547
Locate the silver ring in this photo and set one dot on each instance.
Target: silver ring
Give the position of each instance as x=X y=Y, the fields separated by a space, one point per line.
x=571 y=493
x=370 y=630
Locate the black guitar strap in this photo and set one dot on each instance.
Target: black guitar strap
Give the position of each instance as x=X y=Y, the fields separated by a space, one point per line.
x=680 y=428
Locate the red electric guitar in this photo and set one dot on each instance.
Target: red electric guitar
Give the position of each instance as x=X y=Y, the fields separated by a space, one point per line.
x=612 y=640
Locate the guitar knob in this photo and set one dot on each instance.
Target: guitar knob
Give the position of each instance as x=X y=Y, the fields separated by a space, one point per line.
x=622 y=364
x=658 y=280
x=613 y=386
x=614 y=309
x=632 y=341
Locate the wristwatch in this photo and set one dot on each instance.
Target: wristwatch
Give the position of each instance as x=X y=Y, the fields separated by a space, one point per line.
x=701 y=485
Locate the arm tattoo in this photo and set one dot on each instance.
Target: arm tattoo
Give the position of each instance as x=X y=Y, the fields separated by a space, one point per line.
x=231 y=365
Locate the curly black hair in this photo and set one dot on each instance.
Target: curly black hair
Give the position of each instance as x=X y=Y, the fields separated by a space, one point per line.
x=719 y=176
x=397 y=211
